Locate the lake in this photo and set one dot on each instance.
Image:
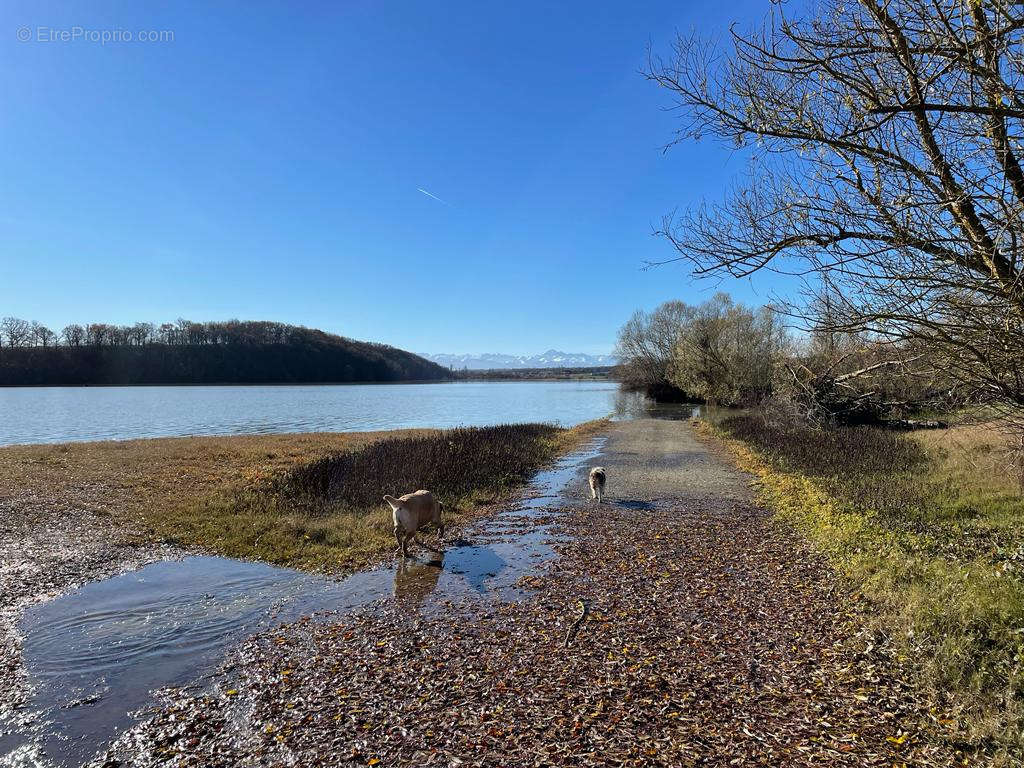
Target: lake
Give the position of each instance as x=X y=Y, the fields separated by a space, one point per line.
x=67 y=414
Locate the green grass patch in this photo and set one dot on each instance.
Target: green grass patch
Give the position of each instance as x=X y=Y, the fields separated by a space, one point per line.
x=926 y=527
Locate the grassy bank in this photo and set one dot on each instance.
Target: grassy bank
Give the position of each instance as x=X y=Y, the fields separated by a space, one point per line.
x=927 y=527
x=257 y=496
x=329 y=514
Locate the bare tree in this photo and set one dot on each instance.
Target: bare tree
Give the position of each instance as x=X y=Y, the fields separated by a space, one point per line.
x=98 y=334
x=73 y=335
x=142 y=333
x=885 y=143
x=166 y=333
x=41 y=335
x=717 y=351
x=646 y=345
x=16 y=331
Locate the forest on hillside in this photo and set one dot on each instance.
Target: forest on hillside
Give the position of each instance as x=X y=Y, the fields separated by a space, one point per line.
x=188 y=352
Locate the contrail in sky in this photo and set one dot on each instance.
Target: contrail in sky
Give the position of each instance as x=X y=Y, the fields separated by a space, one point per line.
x=421 y=189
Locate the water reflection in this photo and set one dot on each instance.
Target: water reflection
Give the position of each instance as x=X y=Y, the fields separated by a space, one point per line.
x=416 y=579
x=478 y=564
x=96 y=653
x=635 y=405
x=636 y=504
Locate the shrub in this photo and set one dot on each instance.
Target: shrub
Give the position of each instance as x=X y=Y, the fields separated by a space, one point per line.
x=452 y=464
x=841 y=451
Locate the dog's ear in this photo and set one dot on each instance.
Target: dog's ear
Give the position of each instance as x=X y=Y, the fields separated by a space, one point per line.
x=392 y=501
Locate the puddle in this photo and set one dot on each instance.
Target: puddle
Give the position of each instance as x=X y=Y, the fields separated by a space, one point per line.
x=97 y=654
x=636 y=504
x=634 y=405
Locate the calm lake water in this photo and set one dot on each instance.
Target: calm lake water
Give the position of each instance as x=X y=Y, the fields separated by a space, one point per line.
x=66 y=414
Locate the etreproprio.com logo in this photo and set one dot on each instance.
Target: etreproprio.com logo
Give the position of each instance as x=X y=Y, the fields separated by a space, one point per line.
x=107 y=36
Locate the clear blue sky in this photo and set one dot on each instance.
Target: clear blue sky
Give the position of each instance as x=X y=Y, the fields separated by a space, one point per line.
x=266 y=164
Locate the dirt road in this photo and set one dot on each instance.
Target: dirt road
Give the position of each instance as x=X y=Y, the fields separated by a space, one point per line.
x=711 y=637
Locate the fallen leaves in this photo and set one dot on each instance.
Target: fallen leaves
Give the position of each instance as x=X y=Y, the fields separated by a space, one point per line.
x=715 y=639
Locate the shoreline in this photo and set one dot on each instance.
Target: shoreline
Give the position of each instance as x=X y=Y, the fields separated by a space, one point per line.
x=484 y=378
x=75 y=513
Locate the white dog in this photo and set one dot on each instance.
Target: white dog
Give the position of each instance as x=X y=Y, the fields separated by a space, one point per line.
x=412 y=512
x=597 y=480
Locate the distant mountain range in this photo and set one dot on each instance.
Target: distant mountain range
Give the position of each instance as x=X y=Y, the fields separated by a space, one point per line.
x=550 y=359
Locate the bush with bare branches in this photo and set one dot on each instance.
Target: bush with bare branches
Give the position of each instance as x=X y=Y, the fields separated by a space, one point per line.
x=717 y=351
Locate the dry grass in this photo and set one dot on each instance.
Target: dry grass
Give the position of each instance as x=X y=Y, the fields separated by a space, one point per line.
x=147 y=480
x=928 y=528
x=975 y=465
x=214 y=492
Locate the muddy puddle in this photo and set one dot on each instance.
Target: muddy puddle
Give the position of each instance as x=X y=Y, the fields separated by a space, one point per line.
x=96 y=655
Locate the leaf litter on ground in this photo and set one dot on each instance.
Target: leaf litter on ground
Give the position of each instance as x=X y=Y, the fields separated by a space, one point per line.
x=713 y=638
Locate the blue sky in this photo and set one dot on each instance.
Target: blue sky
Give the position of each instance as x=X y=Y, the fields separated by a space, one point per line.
x=267 y=162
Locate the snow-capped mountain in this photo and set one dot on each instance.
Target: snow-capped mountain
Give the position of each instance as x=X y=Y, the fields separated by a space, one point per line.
x=550 y=359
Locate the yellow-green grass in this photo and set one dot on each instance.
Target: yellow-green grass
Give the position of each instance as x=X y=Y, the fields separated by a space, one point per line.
x=928 y=528
x=228 y=495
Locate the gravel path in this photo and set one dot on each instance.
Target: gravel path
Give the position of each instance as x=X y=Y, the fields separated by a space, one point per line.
x=712 y=637
x=661 y=460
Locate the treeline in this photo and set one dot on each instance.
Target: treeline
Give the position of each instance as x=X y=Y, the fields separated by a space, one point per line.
x=188 y=352
x=722 y=352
